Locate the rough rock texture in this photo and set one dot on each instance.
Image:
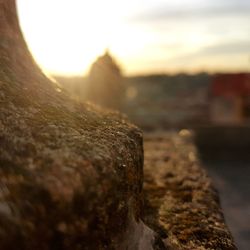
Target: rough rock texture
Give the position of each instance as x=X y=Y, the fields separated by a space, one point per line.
x=70 y=175
x=181 y=203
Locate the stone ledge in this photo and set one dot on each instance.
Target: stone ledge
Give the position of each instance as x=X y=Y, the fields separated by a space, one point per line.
x=67 y=177
x=181 y=203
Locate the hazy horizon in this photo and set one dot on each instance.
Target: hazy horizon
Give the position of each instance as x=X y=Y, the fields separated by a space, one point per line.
x=150 y=37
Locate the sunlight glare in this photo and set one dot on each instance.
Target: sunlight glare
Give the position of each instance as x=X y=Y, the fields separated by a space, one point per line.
x=144 y=36
x=65 y=37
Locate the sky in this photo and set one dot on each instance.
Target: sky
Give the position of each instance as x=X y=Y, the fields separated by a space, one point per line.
x=144 y=36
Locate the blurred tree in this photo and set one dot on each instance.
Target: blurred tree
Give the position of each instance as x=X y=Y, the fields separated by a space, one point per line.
x=105 y=83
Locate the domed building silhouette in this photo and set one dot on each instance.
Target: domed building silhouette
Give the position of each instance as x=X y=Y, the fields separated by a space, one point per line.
x=105 y=83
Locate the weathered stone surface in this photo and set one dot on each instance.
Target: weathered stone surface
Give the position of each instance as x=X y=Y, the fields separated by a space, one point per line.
x=181 y=203
x=70 y=175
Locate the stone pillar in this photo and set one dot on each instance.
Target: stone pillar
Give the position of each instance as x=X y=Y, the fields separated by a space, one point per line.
x=70 y=176
x=15 y=57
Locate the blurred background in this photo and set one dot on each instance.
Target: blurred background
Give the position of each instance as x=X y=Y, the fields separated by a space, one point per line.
x=180 y=66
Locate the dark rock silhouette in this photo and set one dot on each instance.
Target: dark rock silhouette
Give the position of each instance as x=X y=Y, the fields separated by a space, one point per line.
x=105 y=83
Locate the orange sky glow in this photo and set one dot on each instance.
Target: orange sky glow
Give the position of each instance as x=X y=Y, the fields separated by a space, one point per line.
x=150 y=36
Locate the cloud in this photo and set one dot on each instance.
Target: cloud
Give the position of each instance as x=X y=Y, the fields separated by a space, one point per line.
x=222 y=50
x=194 y=11
x=228 y=48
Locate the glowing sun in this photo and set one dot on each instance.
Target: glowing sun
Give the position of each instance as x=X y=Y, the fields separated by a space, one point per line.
x=66 y=36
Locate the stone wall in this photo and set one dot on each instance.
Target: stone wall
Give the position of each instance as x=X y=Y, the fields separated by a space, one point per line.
x=181 y=204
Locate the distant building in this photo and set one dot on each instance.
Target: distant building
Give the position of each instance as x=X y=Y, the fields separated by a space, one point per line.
x=230 y=99
x=105 y=83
